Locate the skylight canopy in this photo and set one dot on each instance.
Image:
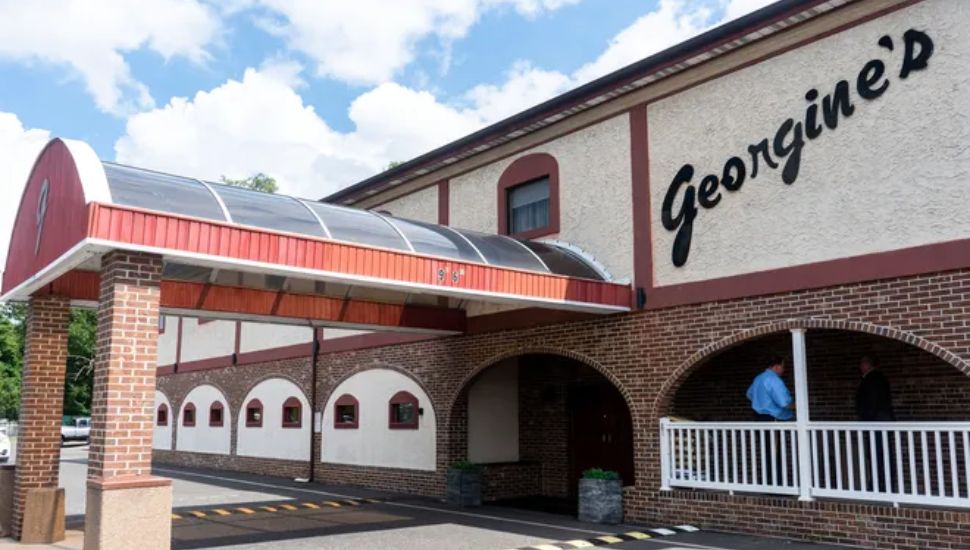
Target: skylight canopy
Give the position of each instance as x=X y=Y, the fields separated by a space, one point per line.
x=157 y=191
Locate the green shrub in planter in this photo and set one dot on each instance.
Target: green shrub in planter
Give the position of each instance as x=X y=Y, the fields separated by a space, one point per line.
x=601 y=496
x=465 y=484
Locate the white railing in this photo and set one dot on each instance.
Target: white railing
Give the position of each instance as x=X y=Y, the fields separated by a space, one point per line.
x=733 y=456
x=898 y=462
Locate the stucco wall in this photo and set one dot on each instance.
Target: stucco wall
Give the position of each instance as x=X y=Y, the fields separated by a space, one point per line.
x=258 y=336
x=162 y=435
x=421 y=205
x=212 y=339
x=373 y=443
x=168 y=340
x=272 y=440
x=891 y=176
x=203 y=438
x=594 y=193
x=493 y=415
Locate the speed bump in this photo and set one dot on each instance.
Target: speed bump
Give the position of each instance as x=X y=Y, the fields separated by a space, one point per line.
x=606 y=540
x=274 y=508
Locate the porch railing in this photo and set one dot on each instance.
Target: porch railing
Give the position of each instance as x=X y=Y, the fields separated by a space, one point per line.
x=899 y=462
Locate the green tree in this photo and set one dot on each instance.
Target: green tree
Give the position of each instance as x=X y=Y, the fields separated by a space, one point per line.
x=79 y=379
x=393 y=164
x=11 y=358
x=257 y=182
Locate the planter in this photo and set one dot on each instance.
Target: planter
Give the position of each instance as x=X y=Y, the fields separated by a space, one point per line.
x=601 y=500
x=464 y=488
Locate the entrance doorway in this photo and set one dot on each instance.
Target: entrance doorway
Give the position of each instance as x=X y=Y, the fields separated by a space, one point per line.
x=537 y=421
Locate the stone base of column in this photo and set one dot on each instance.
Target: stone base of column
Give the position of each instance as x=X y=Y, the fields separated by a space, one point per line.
x=43 y=521
x=6 y=500
x=125 y=513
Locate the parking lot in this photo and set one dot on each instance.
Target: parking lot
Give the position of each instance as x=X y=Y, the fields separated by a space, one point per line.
x=228 y=510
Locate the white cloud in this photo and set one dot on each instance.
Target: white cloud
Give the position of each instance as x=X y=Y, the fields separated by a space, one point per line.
x=737 y=8
x=92 y=36
x=19 y=148
x=261 y=124
x=368 y=41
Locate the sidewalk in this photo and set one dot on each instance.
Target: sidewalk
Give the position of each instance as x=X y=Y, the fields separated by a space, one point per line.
x=74 y=541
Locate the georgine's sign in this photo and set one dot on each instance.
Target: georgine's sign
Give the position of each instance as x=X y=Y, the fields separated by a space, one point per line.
x=845 y=146
x=784 y=150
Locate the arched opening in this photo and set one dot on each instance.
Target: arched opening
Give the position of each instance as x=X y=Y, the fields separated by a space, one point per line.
x=535 y=422
x=880 y=419
x=923 y=386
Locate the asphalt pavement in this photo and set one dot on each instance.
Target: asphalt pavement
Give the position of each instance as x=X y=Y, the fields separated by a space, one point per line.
x=217 y=509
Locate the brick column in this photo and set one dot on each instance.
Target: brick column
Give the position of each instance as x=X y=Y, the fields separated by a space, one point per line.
x=39 y=440
x=127 y=507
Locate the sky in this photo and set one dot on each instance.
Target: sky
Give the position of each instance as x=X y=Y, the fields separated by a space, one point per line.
x=319 y=94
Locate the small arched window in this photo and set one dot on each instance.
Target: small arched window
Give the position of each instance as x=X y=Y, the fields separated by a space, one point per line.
x=292 y=413
x=254 y=414
x=215 y=414
x=403 y=411
x=346 y=411
x=161 y=415
x=188 y=415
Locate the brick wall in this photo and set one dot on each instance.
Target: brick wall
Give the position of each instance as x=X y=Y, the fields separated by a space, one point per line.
x=42 y=397
x=544 y=424
x=511 y=480
x=235 y=383
x=649 y=355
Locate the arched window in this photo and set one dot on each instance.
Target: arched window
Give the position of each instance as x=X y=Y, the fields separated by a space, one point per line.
x=292 y=413
x=403 y=411
x=528 y=197
x=161 y=416
x=188 y=415
x=215 y=414
x=346 y=411
x=254 y=414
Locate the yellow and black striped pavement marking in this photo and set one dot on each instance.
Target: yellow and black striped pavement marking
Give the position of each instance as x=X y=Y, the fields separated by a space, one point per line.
x=606 y=540
x=289 y=506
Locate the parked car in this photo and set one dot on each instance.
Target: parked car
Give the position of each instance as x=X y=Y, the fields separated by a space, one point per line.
x=4 y=448
x=76 y=428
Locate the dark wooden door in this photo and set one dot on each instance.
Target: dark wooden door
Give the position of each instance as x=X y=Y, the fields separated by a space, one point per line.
x=601 y=434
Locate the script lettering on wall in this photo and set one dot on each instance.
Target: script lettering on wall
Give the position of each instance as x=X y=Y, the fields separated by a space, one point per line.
x=784 y=149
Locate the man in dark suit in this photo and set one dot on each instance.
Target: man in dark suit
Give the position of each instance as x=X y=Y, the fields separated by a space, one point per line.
x=874 y=403
x=873 y=399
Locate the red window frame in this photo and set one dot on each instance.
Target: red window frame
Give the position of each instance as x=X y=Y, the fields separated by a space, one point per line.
x=402 y=398
x=217 y=406
x=258 y=405
x=526 y=170
x=346 y=400
x=161 y=415
x=291 y=403
x=188 y=408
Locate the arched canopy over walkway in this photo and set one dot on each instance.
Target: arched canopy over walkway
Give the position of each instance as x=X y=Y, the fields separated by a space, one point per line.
x=231 y=252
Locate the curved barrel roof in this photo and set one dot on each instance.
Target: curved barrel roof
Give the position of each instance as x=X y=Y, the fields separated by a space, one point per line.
x=141 y=188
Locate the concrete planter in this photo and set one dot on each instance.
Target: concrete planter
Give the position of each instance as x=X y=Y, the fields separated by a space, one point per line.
x=464 y=488
x=601 y=500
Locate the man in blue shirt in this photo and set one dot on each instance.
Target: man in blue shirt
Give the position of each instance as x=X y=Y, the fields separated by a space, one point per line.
x=769 y=397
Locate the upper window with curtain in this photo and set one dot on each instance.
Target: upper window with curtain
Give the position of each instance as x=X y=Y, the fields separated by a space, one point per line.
x=528 y=197
x=529 y=206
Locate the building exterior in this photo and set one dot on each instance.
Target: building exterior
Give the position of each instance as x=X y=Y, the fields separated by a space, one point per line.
x=793 y=183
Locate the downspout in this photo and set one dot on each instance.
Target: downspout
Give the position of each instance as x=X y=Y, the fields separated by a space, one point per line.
x=313 y=400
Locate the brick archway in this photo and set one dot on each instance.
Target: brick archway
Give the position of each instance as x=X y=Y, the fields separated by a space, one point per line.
x=673 y=382
x=538 y=350
x=457 y=434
